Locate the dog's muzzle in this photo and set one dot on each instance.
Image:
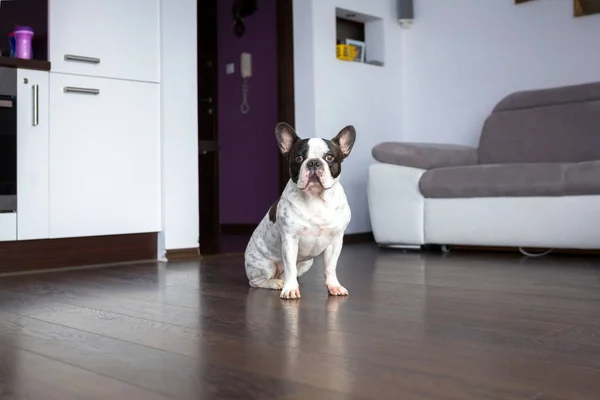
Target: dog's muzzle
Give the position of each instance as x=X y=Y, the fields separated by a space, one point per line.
x=314 y=166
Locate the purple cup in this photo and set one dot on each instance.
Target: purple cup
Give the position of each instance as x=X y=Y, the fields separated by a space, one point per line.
x=23 y=37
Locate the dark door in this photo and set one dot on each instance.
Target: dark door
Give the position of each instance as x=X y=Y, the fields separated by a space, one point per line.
x=208 y=155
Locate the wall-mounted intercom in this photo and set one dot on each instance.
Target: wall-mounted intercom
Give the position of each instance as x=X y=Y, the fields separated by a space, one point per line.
x=246 y=71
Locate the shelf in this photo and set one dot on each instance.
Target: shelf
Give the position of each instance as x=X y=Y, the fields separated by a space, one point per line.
x=13 y=62
x=360 y=63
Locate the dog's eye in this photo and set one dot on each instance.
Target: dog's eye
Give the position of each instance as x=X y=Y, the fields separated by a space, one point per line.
x=299 y=158
x=329 y=158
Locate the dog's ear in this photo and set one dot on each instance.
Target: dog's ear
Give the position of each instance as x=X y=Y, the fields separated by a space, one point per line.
x=286 y=137
x=345 y=140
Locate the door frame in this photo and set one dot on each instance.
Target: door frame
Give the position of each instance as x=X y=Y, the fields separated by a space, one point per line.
x=285 y=77
x=209 y=190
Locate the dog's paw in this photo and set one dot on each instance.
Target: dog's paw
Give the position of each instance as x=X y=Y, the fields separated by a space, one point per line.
x=275 y=284
x=337 y=290
x=290 y=293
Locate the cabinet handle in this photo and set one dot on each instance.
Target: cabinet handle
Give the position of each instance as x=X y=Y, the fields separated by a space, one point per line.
x=89 y=60
x=72 y=89
x=36 y=105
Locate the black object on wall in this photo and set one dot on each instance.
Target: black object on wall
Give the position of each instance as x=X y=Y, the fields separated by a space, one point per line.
x=241 y=9
x=405 y=10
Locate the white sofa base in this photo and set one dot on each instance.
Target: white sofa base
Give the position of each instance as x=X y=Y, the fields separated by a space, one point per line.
x=395 y=202
x=396 y=205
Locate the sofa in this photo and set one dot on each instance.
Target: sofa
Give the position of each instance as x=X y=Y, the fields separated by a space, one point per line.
x=533 y=181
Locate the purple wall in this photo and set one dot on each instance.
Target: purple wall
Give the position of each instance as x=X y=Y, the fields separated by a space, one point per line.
x=248 y=152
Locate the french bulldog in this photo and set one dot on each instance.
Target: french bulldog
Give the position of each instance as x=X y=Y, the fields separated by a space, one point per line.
x=309 y=219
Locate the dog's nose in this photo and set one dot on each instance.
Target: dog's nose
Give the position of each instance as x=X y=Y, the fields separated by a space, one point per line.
x=313 y=164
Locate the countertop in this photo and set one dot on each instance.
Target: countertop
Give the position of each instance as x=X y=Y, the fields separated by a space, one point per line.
x=13 y=62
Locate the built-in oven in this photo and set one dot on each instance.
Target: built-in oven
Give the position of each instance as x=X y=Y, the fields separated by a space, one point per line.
x=8 y=140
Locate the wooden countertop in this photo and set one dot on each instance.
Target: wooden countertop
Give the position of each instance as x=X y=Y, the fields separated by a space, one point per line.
x=13 y=62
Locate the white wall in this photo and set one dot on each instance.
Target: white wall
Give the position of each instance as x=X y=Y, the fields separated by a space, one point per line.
x=179 y=105
x=331 y=93
x=304 y=71
x=441 y=79
x=462 y=56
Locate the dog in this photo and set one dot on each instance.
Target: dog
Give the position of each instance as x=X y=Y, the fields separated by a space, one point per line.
x=309 y=218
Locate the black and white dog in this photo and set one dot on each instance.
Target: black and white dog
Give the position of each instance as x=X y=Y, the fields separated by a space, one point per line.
x=309 y=218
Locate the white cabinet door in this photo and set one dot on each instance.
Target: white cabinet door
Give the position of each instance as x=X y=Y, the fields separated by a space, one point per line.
x=107 y=38
x=104 y=156
x=8 y=227
x=32 y=155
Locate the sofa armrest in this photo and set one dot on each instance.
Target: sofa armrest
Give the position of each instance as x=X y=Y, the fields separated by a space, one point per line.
x=425 y=155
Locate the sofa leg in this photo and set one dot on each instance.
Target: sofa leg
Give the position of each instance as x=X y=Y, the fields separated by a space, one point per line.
x=400 y=246
x=446 y=250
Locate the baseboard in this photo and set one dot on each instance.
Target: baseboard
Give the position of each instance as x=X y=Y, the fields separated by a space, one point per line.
x=363 y=237
x=352 y=238
x=238 y=229
x=243 y=229
x=183 y=254
x=248 y=229
x=33 y=255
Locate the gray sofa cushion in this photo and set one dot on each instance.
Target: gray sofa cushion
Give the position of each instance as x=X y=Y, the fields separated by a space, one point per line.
x=551 y=125
x=548 y=97
x=512 y=180
x=424 y=155
x=564 y=133
x=583 y=178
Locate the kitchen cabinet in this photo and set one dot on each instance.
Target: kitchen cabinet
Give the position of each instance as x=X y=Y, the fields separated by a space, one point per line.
x=8 y=226
x=108 y=38
x=104 y=154
x=32 y=155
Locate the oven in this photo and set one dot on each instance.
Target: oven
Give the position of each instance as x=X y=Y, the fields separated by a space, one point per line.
x=8 y=140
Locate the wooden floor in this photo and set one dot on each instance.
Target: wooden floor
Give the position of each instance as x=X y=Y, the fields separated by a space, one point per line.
x=414 y=327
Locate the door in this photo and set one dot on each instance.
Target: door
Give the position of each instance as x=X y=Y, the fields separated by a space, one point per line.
x=104 y=156
x=32 y=155
x=208 y=148
x=208 y=156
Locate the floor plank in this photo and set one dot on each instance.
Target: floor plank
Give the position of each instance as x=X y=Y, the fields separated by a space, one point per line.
x=164 y=372
x=26 y=375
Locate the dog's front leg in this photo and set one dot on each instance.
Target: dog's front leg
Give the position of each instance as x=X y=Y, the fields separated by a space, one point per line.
x=332 y=254
x=289 y=251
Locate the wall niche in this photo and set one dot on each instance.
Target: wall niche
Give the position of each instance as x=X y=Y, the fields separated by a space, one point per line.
x=364 y=31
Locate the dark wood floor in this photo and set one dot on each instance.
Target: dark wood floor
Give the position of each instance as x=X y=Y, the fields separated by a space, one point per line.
x=414 y=327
